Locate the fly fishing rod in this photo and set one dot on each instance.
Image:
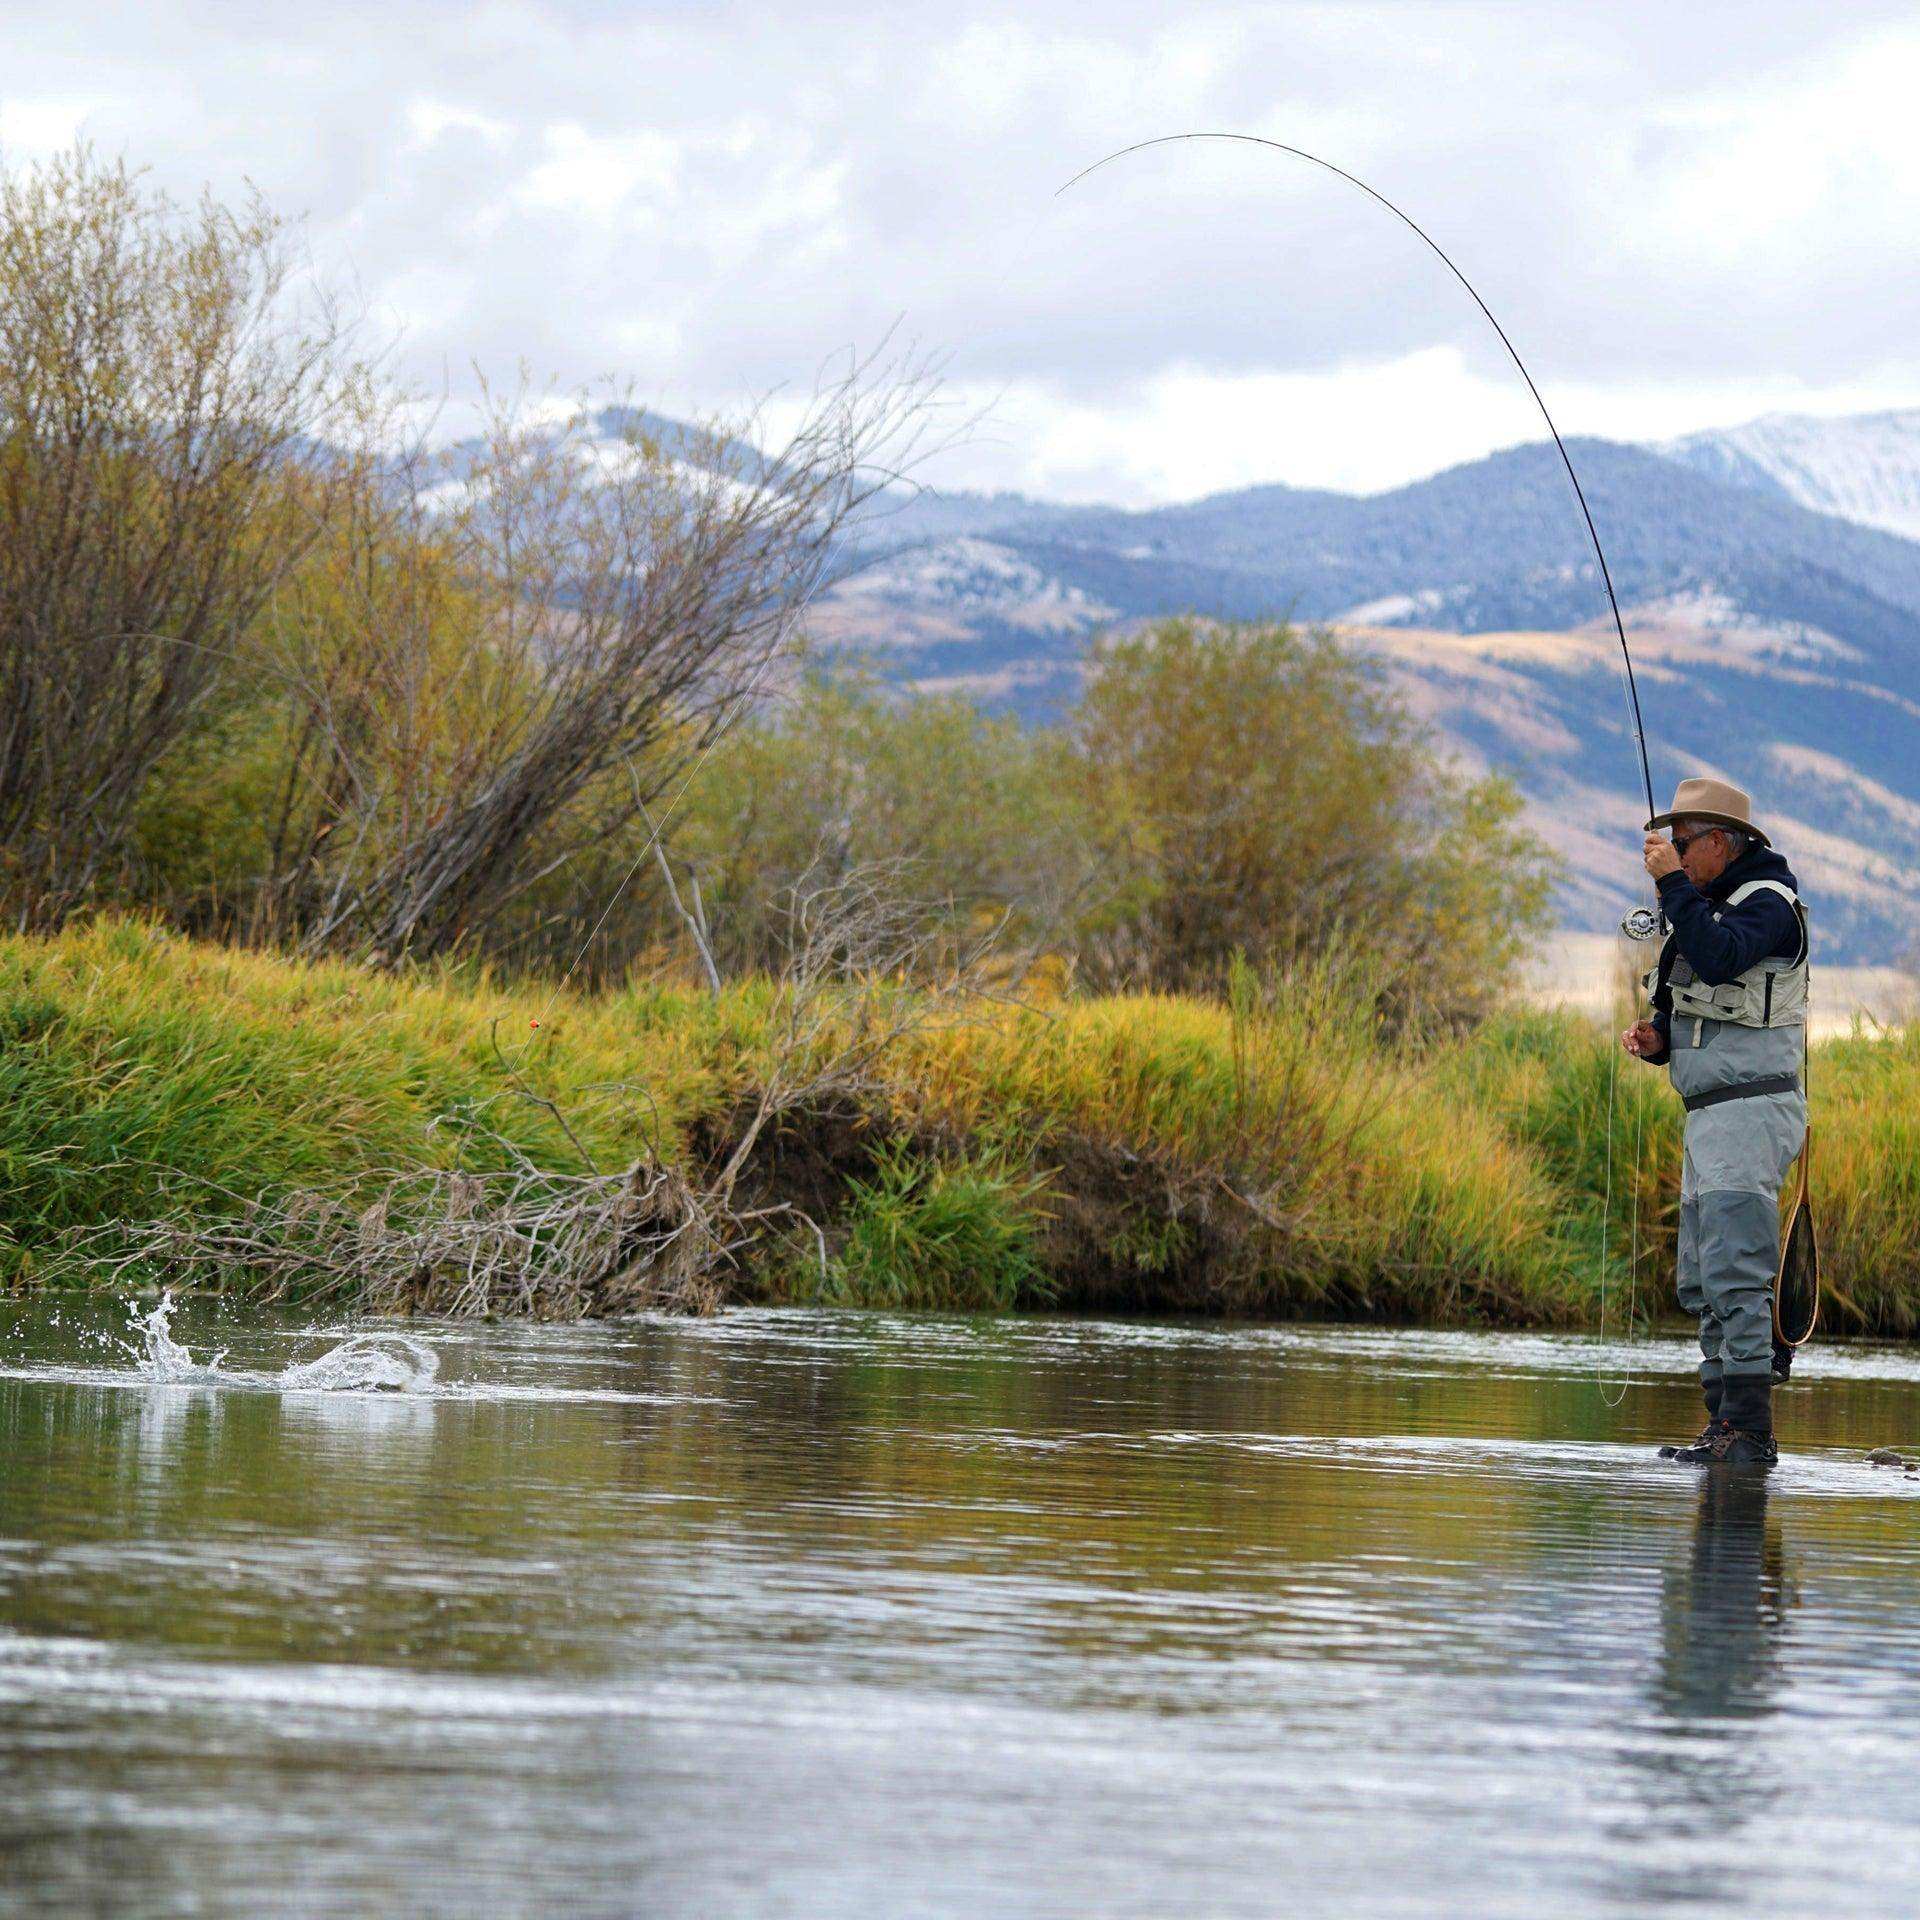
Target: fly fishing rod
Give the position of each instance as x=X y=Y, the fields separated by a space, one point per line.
x=1643 y=922
x=1513 y=353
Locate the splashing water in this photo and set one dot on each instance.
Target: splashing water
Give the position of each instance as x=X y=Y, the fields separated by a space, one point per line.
x=371 y=1361
x=159 y=1353
x=374 y=1362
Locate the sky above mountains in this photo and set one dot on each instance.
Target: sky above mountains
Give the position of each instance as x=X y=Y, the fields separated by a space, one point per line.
x=1685 y=214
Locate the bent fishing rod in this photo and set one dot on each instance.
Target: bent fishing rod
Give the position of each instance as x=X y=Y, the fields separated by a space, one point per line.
x=1513 y=353
x=1642 y=923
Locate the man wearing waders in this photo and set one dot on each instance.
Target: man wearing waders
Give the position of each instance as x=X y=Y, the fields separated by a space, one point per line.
x=1729 y=1019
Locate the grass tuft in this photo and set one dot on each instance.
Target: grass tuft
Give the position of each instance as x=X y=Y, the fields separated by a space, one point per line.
x=959 y=1237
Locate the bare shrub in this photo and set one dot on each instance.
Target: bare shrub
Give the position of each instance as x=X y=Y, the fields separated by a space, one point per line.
x=157 y=380
x=536 y=646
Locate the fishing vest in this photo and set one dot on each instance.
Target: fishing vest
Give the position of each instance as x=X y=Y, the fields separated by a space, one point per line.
x=1771 y=993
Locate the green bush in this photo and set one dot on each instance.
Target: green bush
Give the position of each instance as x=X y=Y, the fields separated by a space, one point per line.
x=960 y=1236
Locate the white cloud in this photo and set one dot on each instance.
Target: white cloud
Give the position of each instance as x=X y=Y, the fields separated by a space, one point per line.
x=1679 y=224
x=1801 y=158
x=596 y=177
x=1187 y=431
x=429 y=120
x=1361 y=429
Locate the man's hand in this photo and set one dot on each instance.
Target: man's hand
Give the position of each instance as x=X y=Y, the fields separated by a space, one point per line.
x=1641 y=1039
x=1660 y=857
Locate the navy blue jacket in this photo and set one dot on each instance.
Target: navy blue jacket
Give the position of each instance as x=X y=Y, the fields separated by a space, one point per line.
x=1722 y=950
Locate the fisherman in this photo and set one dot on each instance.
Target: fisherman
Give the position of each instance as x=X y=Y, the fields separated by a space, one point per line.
x=1729 y=998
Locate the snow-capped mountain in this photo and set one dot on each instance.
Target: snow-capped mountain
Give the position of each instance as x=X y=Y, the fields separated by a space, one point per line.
x=1864 y=467
x=1777 y=645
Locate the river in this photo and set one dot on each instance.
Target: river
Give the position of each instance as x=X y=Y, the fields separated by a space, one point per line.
x=804 y=1614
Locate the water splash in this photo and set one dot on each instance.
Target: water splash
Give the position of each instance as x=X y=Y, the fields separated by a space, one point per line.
x=365 y=1363
x=160 y=1355
x=394 y=1362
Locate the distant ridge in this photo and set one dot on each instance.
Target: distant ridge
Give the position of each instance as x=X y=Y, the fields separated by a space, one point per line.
x=1780 y=638
x=1863 y=467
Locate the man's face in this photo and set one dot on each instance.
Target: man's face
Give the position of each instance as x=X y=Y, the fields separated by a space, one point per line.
x=1704 y=851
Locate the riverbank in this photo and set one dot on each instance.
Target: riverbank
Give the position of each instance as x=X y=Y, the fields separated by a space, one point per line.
x=1273 y=1158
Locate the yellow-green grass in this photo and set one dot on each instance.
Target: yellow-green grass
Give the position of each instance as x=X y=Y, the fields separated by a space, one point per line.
x=1146 y=1153
x=136 y=1067
x=1545 y=1078
x=1270 y=1162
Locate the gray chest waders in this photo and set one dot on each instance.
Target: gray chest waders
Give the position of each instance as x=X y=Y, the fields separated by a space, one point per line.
x=1770 y=995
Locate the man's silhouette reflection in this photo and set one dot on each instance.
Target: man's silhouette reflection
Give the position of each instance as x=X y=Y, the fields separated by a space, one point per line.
x=1724 y=1613
x=1699 y=1755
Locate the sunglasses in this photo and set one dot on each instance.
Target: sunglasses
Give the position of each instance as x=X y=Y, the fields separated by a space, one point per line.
x=1680 y=846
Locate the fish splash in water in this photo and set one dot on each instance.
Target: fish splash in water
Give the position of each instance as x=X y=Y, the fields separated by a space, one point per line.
x=364 y=1363
x=392 y=1361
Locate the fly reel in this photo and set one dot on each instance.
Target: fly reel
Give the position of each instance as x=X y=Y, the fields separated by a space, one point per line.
x=1642 y=924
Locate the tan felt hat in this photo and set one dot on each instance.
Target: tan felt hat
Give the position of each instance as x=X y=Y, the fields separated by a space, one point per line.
x=1712 y=800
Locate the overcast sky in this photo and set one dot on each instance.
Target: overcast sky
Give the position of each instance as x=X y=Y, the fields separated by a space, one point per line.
x=1684 y=214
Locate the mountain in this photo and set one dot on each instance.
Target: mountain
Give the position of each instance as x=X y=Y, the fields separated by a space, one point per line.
x=1498 y=542
x=1776 y=644
x=1865 y=467
x=1771 y=595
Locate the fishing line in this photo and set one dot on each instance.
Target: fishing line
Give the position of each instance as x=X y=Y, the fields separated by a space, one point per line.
x=1613 y=603
x=1606 y=1225
x=1446 y=260
x=1633 y=1269
x=1633 y=1244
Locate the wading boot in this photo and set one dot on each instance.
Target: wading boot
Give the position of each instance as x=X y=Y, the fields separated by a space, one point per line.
x=1698 y=1448
x=1745 y=1435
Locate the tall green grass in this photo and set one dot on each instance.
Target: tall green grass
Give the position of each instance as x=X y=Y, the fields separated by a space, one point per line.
x=1275 y=1154
x=963 y=1236
x=1544 y=1077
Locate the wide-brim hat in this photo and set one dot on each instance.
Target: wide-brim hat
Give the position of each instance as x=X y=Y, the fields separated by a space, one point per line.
x=1716 y=801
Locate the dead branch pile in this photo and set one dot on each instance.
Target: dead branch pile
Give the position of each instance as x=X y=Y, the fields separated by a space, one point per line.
x=525 y=1242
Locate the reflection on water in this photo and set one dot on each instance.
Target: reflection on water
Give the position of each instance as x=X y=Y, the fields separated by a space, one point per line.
x=1721 y=1674
x=1725 y=1612
x=816 y=1614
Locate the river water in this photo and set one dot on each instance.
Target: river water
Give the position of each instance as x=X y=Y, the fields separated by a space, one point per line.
x=820 y=1614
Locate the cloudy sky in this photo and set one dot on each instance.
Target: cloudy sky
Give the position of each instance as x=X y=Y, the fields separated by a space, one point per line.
x=1685 y=214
